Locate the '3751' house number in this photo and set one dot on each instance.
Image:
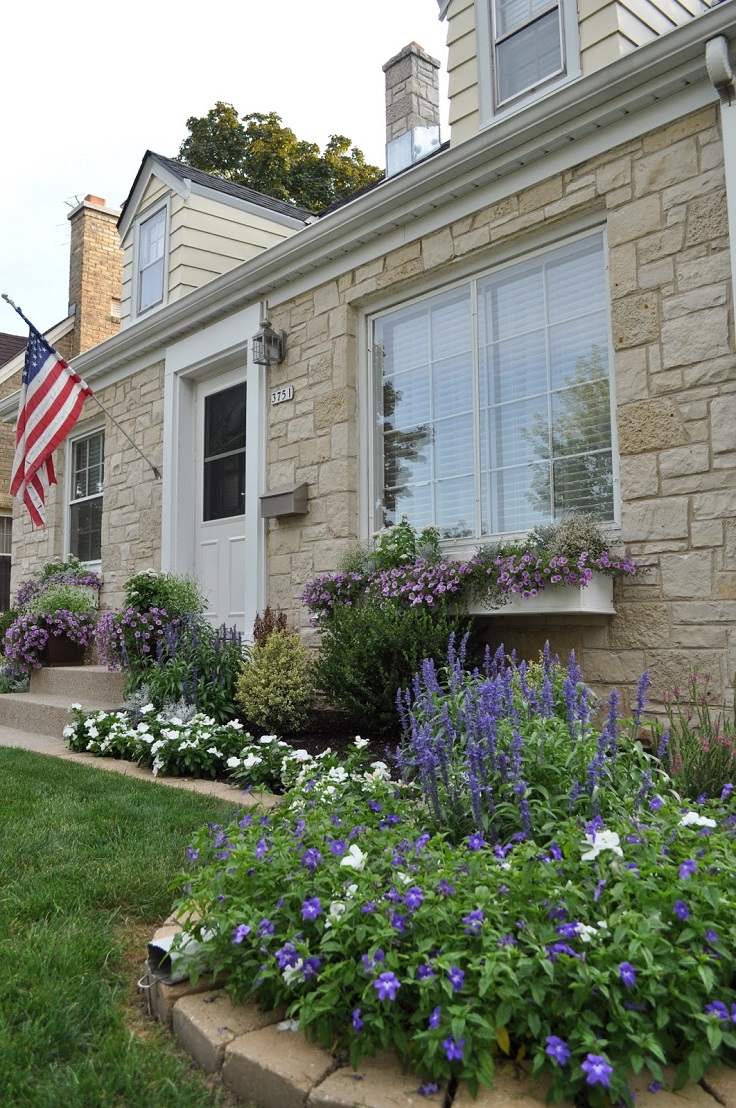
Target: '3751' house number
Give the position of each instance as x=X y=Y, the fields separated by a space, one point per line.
x=280 y=395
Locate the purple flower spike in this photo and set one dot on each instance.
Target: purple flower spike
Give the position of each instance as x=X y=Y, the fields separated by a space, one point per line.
x=627 y=973
x=387 y=985
x=558 y=1049
x=453 y=1049
x=597 y=1070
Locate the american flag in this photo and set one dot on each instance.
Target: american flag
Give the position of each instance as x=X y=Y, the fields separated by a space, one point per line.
x=51 y=399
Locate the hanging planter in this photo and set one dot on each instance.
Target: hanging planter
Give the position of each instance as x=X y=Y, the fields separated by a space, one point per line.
x=60 y=650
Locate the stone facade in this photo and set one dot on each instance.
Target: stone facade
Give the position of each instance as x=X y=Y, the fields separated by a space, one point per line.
x=663 y=202
x=131 y=521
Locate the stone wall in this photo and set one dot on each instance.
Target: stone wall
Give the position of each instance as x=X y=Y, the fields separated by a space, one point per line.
x=131 y=523
x=663 y=200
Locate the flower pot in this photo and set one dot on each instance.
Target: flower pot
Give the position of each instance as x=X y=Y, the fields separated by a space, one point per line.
x=61 y=651
x=595 y=598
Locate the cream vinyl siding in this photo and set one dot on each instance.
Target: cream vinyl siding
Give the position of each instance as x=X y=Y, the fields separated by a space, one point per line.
x=155 y=193
x=205 y=238
x=208 y=238
x=608 y=29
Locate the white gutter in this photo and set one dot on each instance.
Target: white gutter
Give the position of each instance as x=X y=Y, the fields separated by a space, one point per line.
x=722 y=78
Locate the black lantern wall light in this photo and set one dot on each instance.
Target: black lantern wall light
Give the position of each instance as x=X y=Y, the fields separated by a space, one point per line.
x=269 y=345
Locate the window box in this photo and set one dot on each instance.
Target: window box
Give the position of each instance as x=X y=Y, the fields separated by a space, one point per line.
x=595 y=598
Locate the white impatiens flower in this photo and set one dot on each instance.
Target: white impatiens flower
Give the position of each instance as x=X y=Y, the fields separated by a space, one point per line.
x=266 y=739
x=251 y=760
x=692 y=819
x=68 y=731
x=299 y=756
x=600 y=841
x=360 y=743
x=355 y=859
x=146 y=708
x=232 y=763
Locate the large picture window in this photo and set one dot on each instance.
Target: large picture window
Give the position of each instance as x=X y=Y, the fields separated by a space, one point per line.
x=493 y=398
x=85 y=502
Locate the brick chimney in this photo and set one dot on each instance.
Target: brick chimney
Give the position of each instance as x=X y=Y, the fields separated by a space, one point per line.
x=95 y=273
x=412 y=107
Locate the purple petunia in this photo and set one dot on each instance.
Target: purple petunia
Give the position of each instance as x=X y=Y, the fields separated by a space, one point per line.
x=398 y=922
x=311 y=908
x=597 y=1070
x=558 y=1049
x=413 y=898
x=627 y=973
x=311 y=858
x=718 y=1008
x=681 y=909
x=265 y=927
x=240 y=932
x=474 y=922
x=357 y=1021
x=688 y=868
x=456 y=977
x=445 y=888
x=453 y=1049
x=424 y=972
x=387 y=985
x=434 y=1019
x=476 y=842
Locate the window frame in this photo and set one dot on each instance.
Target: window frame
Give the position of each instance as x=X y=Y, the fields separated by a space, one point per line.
x=372 y=451
x=87 y=433
x=9 y=555
x=162 y=207
x=491 y=106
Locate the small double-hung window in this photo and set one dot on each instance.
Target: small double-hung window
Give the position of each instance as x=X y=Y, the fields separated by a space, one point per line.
x=528 y=45
x=85 y=499
x=151 y=260
x=493 y=399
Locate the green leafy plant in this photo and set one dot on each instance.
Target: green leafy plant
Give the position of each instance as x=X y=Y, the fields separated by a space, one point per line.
x=275 y=688
x=61 y=597
x=177 y=595
x=367 y=653
x=604 y=952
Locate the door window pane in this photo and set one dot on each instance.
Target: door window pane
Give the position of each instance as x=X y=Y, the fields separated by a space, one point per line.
x=224 y=454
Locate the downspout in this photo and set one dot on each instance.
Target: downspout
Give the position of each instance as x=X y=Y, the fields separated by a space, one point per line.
x=722 y=78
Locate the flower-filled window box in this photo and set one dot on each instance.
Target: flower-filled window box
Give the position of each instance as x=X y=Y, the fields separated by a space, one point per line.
x=593 y=598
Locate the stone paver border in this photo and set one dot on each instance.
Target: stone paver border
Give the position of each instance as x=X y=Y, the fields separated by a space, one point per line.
x=263 y=1060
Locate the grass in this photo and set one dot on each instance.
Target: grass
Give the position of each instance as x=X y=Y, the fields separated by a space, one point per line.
x=86 y=859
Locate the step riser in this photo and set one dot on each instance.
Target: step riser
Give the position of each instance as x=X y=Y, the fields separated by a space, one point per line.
x=20 y=711
x=91 y=685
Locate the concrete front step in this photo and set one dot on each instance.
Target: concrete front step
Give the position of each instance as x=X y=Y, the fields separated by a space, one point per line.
x=85 y=685
x=45 y=709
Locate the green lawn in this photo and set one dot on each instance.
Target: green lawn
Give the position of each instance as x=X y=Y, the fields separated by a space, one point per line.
x=86 y=858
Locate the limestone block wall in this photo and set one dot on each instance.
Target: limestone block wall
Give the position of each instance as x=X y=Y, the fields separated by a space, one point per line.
x=662 y=201
x=131 y=522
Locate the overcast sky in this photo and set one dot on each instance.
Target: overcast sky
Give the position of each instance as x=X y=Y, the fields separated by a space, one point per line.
x=86 y=90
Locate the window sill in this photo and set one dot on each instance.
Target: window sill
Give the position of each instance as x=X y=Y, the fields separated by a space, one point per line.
x=596 y=598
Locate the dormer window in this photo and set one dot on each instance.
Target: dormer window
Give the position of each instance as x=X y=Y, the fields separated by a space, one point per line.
x=527 y=45
x=151 y=260
x=526 y=49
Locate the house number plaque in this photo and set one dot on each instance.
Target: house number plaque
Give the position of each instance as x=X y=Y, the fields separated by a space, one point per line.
x=280 y=395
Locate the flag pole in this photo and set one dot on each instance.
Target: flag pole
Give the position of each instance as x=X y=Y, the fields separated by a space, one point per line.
x=92 y=395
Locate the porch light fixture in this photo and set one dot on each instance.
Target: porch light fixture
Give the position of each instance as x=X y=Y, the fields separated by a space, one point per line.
x=269 y=346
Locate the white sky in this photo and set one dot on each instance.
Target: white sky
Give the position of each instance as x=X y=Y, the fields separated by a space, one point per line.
x=85 y=91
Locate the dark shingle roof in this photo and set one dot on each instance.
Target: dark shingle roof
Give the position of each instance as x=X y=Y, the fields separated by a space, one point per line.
x=217 y=184
x=10 y=345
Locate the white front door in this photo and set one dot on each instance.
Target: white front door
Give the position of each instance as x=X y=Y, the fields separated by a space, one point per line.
x=220 y=497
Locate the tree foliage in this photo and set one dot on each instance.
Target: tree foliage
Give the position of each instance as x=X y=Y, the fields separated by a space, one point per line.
x=257 y=150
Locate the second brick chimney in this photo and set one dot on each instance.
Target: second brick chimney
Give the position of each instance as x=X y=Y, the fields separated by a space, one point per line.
x=95 y=273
